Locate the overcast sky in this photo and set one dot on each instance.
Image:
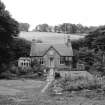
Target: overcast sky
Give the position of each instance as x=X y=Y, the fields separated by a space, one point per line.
x=54 y=12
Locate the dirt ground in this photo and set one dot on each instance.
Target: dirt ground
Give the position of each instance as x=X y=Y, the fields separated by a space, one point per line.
x=28 y=92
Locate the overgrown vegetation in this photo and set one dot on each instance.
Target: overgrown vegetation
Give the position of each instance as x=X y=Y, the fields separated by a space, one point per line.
x=68 y=28
x=81 y=86
x=14 y=72
x=8 y=30
x=90 y=50
x=80 y=83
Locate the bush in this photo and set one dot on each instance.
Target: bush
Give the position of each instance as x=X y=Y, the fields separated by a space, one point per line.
x=23 y=71
x=80 y=84
x=31 y=76
x=7 y=75
x=13 y=69
x=57 y=75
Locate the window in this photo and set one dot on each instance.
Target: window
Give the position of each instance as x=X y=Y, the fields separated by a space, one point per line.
x=24 y=63
x=41 y=60
x=70 y=58
x=62 y=61
x=21 y=63
x=65 y=60
x=27 y=64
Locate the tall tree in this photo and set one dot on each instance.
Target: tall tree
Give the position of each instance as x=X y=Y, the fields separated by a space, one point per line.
x=8 y=30
x=91 y=49
x=42 y=27
x=20 y=48
x=24 y=27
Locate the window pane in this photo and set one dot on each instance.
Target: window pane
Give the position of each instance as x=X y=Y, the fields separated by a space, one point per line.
x=62 y=60
x=41 y=60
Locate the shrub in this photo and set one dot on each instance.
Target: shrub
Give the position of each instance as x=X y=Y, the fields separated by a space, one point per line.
x=31 y=76
x=79 y=84
x=23 y=71
x=57 y=75
x=7 y=75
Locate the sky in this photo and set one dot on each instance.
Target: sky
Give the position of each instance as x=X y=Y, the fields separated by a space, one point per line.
x=55 y=12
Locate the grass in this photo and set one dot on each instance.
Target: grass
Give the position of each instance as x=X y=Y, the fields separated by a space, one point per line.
x=48 y=37
x=28 y=92
x=81 y=83
x=19 y=91
x=88 y=88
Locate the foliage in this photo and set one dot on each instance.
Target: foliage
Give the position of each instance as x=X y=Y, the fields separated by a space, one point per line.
x=86 y=55
x=13 y=71
x=76 y=44
x=79 y=83
x=43 y=28
x=95 y=39
x=30 y=75
x=8 y=30
x=90 y=50
x=37 y=67
x=67 y=28
x=20 y=48
x=24 y=27
x=8 y=75
x=57 y=75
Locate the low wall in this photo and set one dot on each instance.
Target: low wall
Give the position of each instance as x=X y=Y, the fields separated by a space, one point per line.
x=76 y=74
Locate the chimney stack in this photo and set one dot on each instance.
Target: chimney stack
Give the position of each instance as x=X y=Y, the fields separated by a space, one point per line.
x=68 y=41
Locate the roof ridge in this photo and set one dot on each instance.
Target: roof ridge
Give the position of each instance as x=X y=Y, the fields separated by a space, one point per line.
x=41 y=49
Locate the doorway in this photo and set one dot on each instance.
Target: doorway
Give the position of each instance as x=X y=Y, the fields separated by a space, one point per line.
x=51 y=62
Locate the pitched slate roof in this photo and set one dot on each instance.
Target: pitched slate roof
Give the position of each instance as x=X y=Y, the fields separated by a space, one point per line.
x=39 y=49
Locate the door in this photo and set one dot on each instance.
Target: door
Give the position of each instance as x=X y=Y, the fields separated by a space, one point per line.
x=51 y=62
x=51 y=66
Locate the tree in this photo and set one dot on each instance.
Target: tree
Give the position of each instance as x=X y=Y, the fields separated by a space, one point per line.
x=67 y=28
x=8 y=30
x=91 y=49
x=86 y=55
x=43 y=28
x=24 y=27
x=20 y=48
x=96 y=39
x=37 y=67
x=57 y=29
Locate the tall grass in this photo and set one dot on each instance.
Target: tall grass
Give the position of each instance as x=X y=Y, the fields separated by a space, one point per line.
x=80 y=83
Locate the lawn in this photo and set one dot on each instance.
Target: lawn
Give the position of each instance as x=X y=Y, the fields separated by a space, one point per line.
x=48 y=37
x=28 y=92
x=20 y=92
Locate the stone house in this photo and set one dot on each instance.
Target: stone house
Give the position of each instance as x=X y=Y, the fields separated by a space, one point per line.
x=57 y=56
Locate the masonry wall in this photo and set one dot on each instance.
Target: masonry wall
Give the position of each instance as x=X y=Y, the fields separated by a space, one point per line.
x=56 y=57
x=56 y=60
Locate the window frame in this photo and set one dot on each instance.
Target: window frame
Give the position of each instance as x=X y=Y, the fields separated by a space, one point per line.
x=62 y=61
x=41 y=60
